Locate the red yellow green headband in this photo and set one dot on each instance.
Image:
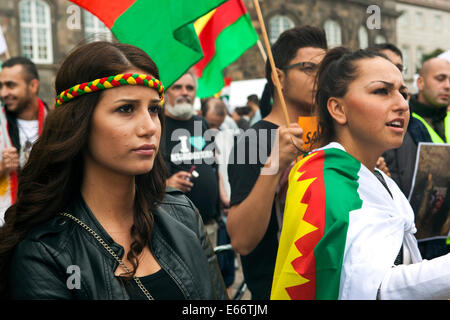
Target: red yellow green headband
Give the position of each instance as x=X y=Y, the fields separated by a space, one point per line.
x=111 y=82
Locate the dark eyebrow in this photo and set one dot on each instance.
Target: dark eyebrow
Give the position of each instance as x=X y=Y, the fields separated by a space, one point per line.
x=9 y=82
x=127 y=100
x=156 y=100
x=389 y=84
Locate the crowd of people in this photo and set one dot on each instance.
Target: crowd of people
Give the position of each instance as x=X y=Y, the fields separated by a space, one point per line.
x=133 y=187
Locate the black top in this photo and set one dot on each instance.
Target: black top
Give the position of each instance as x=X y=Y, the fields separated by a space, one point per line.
x=159 y=284
x=185 y=144
x=383 y=182
x=249 y=156
x=436 y=115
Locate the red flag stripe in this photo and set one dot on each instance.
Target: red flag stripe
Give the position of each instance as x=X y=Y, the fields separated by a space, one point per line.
x=305 y=265
x=107 y=10
x=224 y=16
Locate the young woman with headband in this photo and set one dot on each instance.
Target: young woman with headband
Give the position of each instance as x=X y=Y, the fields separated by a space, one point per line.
x=93 y=218
x=348 y=230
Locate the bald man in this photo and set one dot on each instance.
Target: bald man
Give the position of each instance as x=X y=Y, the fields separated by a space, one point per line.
x=434 y=86
x=214 y=112
x=429 y=122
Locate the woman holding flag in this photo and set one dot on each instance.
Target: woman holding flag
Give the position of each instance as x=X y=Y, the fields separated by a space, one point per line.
x=348 y=230
x=93 y=219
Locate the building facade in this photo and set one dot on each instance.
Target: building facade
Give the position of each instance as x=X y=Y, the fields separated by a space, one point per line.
x=422 y=28
x=354 y=23
x=46 y=30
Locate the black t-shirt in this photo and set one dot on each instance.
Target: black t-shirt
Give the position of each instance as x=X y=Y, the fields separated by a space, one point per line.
x=159 y=284
x=247 y=158
x=185 y=144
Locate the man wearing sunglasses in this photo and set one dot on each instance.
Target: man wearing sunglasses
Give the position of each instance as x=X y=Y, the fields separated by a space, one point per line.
x=252 y=220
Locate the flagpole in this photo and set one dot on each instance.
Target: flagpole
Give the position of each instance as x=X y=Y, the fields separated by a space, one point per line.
x=272 y=63
x=261 y=50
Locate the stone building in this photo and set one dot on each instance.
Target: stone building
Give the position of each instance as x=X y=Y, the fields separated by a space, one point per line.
x=346 y=22
x=46 y=30
x=421 y=30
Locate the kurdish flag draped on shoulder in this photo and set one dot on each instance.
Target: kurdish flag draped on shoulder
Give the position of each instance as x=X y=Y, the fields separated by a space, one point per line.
x=163 y=29
x=341 y=231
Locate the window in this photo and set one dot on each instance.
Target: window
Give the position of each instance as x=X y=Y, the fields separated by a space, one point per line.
x=277 y=25
x=437 y=23
x=406 y=61
x=35 y=31
x=403 y=19
x=363 y=38
x=419 y=56
x=419 y=20
x=94 y=29
x=333 y=33
x=379 y=39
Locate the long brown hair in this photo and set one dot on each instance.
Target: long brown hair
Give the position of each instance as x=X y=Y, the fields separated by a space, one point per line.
x=54 y=171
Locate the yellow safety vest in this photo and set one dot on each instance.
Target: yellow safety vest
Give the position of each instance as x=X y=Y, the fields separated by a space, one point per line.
x=434 y=136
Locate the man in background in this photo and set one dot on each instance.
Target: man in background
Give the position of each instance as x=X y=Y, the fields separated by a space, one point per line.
x=429 y=122
x=214 y=112
x=253 y=221
x=25 y=113
x=189 y=157
x=253 y=103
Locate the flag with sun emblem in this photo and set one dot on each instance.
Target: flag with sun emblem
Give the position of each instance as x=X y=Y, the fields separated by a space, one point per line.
x=337 y=217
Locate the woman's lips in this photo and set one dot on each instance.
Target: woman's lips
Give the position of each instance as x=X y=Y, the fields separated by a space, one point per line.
x=146 y=149
x=397 y=125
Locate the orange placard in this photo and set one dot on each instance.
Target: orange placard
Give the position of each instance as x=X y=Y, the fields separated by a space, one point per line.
x=310 y=132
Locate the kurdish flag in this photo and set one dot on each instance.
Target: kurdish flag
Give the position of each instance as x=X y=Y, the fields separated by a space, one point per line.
x=225 y=34
x=341 y=231
x=161 y=28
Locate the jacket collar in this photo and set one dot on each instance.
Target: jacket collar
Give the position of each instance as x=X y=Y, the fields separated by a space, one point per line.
x=80 y=210
x=423 y=110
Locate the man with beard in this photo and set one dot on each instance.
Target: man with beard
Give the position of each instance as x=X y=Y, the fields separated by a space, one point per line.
x=189 y=152
x=25 y=112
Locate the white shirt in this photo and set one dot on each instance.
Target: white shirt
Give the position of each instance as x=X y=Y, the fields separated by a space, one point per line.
x=28 y=131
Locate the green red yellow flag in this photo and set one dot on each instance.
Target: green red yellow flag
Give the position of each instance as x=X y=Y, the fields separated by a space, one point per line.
x=163 y=29
x=307 y=274
x=225 y=34
x=337 y=217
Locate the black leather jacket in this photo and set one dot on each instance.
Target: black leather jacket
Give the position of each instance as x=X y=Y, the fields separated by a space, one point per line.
x=40 y=267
